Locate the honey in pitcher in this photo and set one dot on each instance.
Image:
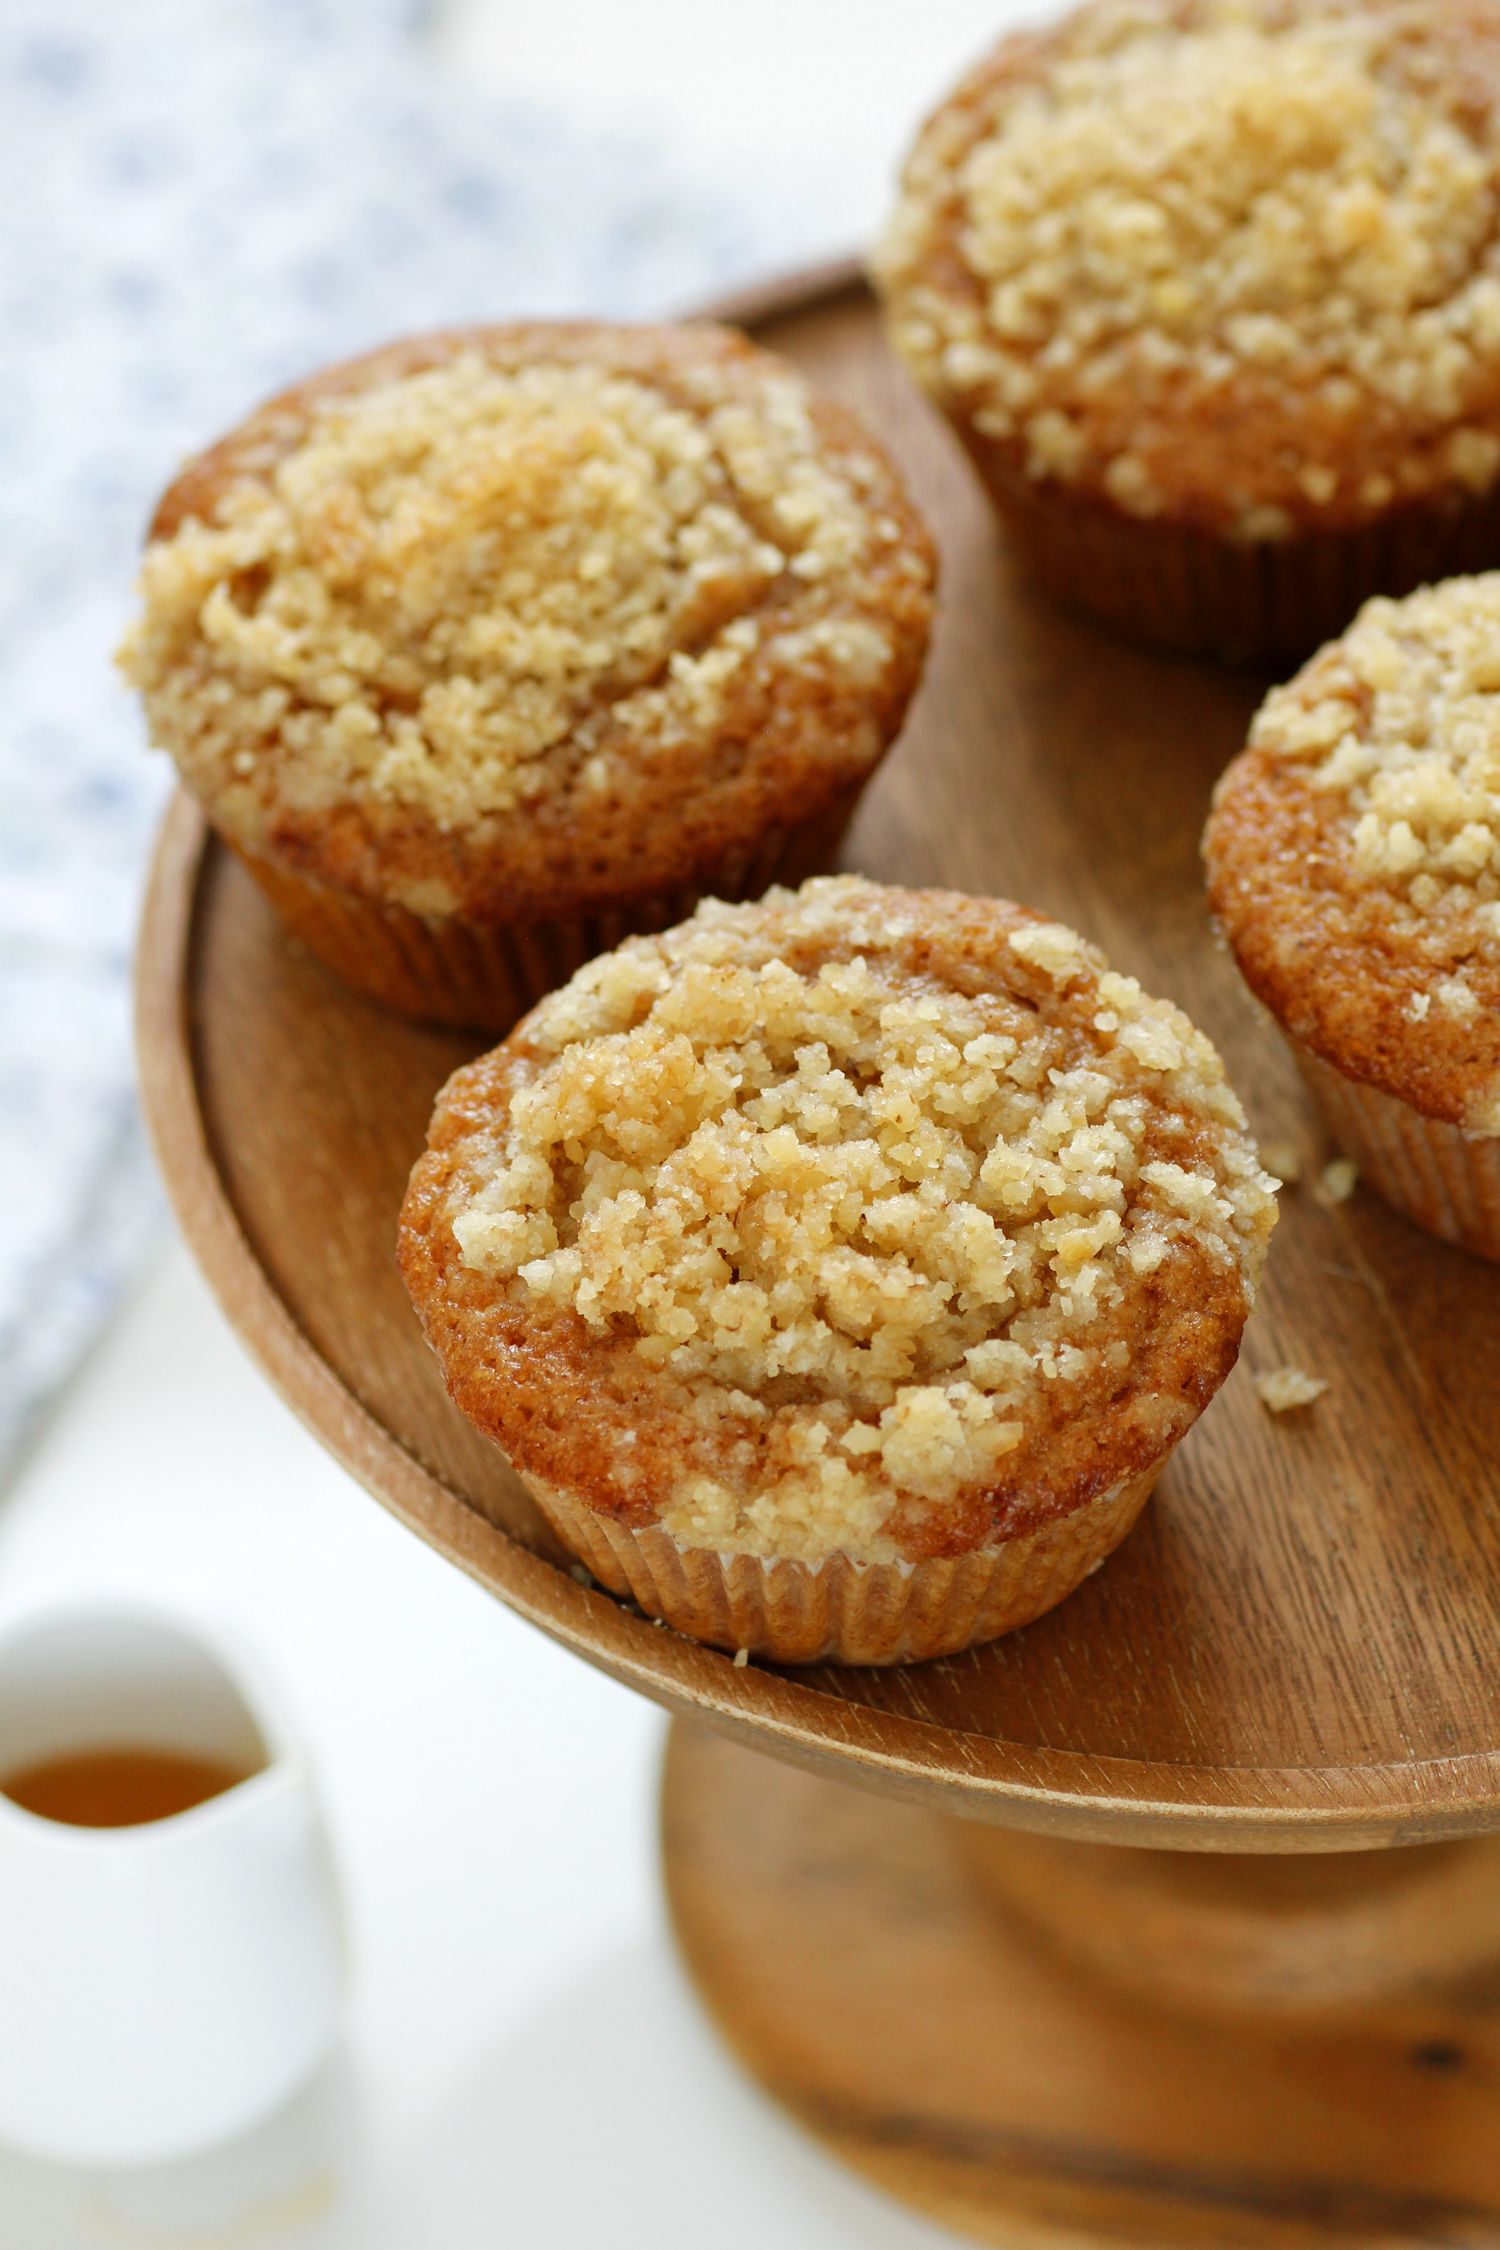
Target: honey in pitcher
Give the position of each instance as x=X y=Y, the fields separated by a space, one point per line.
x=117 y=1785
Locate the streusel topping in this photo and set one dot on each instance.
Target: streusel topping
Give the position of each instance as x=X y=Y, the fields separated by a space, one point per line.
x=1399 y=722
x=1353 y=853
x=467 y=586
x=825 y=1189
x=1169 y=209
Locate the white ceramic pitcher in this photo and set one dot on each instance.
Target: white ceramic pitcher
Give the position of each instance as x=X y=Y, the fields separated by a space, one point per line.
x=167 y=1985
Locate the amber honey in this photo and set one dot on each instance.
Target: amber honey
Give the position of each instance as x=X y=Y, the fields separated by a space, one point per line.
x=117 y=1785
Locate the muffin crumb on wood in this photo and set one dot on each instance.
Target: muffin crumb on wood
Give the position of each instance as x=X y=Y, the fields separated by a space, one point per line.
x=1283 y=1160
x=1287 y=1388
x=1337 y=1181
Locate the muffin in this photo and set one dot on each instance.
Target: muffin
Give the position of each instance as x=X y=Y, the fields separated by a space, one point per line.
x=1354 y=864
x=494 y=645
x=1210 y=291
x=839 y=1271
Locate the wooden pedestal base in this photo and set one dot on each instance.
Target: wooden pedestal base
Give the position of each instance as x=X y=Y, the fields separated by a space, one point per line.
x=1051 y=2043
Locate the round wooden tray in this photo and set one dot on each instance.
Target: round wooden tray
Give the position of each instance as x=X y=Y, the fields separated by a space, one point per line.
x=1299 y=1648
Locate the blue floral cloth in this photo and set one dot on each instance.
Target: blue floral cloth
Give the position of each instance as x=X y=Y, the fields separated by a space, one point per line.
x=199 y=200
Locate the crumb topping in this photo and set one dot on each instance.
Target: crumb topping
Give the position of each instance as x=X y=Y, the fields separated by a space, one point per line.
x=1287 y=1388
x=472 y=585
x=1355 y=850
x=1400 y=722
x=1170 y=211
x=886 y=1221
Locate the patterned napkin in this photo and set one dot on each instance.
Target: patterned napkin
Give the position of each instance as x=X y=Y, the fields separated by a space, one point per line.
x=199 y=200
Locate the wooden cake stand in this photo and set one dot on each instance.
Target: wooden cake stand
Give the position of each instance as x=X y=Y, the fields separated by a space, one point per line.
x=1001 y=1975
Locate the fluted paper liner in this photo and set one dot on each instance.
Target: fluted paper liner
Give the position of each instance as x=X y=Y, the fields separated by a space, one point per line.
x=1199 y=592
x=1445 y=1179
x=839 y=1611
x=481 y=976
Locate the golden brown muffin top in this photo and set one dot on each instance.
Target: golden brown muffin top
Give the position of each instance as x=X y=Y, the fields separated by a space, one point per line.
x=1234 y=261
x=518 y=578
x=859 y=1219
x=1354 y=851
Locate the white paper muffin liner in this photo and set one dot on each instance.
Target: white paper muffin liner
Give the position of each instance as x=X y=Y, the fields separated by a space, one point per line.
x=1196 y=592
x=1443 y=1178
x=839 y=1611
x=483 y=976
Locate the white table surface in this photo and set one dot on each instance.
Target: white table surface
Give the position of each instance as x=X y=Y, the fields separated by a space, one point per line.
x=524 y=2064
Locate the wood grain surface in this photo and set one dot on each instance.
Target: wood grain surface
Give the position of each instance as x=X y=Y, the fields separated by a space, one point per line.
x=1299 y=1648
x=982 y=2067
